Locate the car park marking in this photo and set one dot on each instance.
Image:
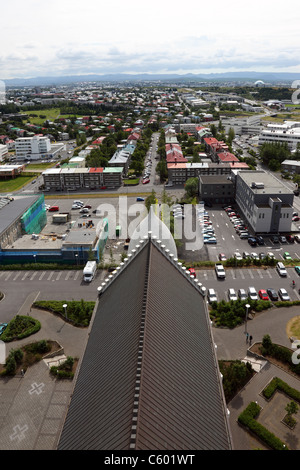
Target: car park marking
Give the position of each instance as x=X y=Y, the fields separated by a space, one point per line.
x=260 y=274
x=58 y=276
x=242 y=274
x=42 y=275
x=76 y=275
x=250 y=273
x=50 y=275
x=33 y=275
x=2 y=274
x=68 y=275
x=17 y=275
x=24 y=277
x=8 y=276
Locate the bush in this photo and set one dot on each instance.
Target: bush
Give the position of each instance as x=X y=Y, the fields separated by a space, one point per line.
x=78 y=312
x=278 y=384
x=232 y=314
x=20 y=327
x=248 y=419
x=64 y=370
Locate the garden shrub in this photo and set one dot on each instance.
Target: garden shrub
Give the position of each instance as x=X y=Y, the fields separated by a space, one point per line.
x=20 y=327
x=248 y=419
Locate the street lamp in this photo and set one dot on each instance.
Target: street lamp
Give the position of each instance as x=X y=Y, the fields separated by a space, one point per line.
x=247 y=308
x=76 y=256
x=34 y=257
x=65 y=307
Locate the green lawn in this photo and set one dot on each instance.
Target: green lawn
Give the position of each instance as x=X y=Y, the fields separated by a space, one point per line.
x=51 y=114
x=14 y=184
x=39 y=166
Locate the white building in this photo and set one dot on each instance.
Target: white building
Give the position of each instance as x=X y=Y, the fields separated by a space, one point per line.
x=266 y=204
x=289 y=133
x=3 y=152
x=32 y=148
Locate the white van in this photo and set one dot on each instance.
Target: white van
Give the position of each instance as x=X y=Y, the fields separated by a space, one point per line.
x=281 y=269
x=79 y=203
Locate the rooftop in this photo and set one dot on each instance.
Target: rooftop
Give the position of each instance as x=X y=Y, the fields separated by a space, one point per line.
x=269 y=182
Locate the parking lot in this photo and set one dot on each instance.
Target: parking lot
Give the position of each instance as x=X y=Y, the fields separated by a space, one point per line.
x=229 y=242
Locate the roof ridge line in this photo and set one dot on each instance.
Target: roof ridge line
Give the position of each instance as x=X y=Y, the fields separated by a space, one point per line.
x=134 y=424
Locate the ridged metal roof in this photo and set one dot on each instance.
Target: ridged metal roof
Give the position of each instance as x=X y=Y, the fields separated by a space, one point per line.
x=149 y=378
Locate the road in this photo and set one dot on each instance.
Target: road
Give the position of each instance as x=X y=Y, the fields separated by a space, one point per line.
x=17 y=286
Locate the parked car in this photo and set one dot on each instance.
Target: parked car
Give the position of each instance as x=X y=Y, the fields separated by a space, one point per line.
x=242 y=294
x=87 y=206
x=254 y=256
x=260 y=240
x=210 y=241
x=139 y=199
x=272 y=294
x=286 y=255
x=220 y=271
x=192 y=272
x=280 y=268
x=246 y=255
x=54 y=209
x=212 y=296
x=284 y=295
x=296 y=218
x=297 y=238
x=84 y=210
x=2 y=327
x=290 y=238
x=282 y=239
x=263 y=294
x=252 y=241
x=252 y=294
x=238 y=255
x=146 y=181
x=275 y=239
x=297 y=269
x=232 y=294
x=222 y=257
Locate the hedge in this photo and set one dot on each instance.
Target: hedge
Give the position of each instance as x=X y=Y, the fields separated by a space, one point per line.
x=248 y=419
x=232 y=314
x=78 y=312
x=280 y=353
x=278 y=384
x=20 y=327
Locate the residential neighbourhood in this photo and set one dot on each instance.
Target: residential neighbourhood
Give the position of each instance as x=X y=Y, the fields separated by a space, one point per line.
x=160 y=204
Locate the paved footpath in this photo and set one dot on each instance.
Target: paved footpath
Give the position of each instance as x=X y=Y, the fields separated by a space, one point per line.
x=33 y=407
x=231 y=344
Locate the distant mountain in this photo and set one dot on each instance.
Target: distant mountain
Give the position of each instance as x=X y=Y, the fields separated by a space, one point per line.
x=268 y=77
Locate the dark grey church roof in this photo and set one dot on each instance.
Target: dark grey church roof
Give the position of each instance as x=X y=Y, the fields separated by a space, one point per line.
x=149 y=378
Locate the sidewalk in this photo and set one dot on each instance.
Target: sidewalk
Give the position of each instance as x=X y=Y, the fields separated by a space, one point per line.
x=33 y=407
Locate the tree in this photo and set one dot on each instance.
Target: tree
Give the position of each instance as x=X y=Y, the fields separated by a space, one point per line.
x=150 y=200
x=191 y=187
x=291 y=408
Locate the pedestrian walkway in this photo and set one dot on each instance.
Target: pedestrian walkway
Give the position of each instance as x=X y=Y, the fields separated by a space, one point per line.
x=33 y=407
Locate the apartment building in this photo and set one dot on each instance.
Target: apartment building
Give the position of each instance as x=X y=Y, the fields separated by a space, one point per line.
x=70 y=179
x=216 y=189
x=32 y=148
x=179 y=173
x=288 y=133
x=266 y=204
x=3 y=152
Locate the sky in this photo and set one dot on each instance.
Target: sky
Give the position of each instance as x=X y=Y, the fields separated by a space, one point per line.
x=72 y=37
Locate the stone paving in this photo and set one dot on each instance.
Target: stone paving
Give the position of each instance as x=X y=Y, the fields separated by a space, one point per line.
x=33 y=407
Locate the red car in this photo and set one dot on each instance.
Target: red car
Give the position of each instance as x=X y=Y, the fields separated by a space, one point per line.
x=192 y=272
x=146 y=181
x=87 y=206
x=263 y=294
